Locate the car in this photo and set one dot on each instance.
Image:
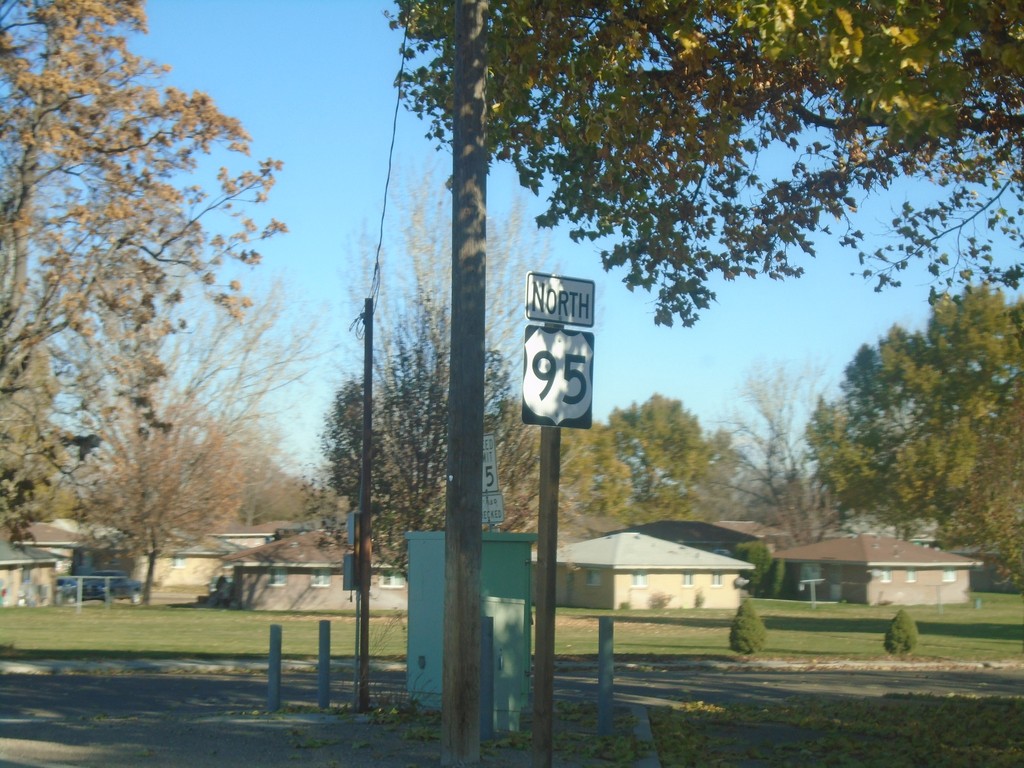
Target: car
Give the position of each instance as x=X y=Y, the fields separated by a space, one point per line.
x=120 y=585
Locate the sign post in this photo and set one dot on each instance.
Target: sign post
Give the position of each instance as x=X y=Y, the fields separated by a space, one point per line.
x=558 y=383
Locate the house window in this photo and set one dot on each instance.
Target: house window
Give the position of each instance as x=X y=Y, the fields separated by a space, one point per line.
x=178 y=561
x=949 y=575
x=593 y=578
x=640 y=579
x=885 y=575
x=392 y=580
x=716 y=579
x=809 y=571
x=911 y=575
x=278 y=577
x=687 y=578
x=321 y=577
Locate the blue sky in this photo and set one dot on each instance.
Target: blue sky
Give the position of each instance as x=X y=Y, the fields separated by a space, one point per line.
x=312 y=81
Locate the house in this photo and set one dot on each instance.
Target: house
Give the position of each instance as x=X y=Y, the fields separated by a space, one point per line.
x=878 y=570
x=248 y=536
x=304 y=573
x=28 y=575
x=195 y=566
x=633 y=570
x=61 y=541
x=693 y=533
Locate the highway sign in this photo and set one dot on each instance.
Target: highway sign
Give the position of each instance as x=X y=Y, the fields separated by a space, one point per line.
x=559 y=300
x=558 y=377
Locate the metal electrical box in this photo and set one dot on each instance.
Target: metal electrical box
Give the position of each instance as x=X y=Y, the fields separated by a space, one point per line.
x=505 y=595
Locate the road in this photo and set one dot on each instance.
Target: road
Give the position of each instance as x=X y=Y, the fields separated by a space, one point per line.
x=206 y=720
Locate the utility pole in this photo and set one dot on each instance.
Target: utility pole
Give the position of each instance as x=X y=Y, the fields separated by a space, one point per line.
x=460 y=699
x=365 y=538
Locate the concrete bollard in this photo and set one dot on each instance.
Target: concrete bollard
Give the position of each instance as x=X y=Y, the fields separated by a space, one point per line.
x=274 y=670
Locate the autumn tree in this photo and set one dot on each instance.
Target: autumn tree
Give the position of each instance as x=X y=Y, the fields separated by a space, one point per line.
x=99 y=211
x=904 y=439
x=775 y=470
x=645 y=464
x=700 y=141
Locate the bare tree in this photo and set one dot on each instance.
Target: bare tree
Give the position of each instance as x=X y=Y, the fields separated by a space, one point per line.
x=775 y=471
x=175 y=441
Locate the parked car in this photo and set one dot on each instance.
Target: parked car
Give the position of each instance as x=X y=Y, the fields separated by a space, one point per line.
x=121 y=587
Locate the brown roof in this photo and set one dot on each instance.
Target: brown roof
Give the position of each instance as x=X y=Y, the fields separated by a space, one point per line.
x=873 y=550
x=46 y=535
x=261 y=529
x=313 y=548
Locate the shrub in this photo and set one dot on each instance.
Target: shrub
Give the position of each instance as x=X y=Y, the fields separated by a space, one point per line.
x=747 y=635
x=901 y=637
x=756 y=553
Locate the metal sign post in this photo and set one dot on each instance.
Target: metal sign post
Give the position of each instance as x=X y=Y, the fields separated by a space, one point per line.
x=558 y=376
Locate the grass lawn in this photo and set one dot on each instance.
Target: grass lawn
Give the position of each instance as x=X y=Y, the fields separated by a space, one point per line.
x=795 y=631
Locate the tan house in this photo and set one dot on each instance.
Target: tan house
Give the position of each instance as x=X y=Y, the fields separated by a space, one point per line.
x=28 y=575
x=196 y=566
x=878 y=570
x=304 y=573
x=632 y=570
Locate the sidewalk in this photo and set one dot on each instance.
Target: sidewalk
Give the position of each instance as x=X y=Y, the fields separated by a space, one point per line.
x=210 y=735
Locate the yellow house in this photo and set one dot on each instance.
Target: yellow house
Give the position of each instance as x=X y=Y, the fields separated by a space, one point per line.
x=631 y=570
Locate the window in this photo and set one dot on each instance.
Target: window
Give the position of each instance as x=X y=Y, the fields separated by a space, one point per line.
x=716 y=579
x=392 y=580
x=278 y=577
x=321 y=577
x=687 y=578
x=593 y=578
x=949 y=575
x=885 y=575
x=911 y=575
x=178 y=561
x=640 y=579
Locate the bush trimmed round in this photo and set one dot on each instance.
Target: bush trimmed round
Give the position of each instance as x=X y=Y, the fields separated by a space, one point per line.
x=901 y=637
x=747 y=634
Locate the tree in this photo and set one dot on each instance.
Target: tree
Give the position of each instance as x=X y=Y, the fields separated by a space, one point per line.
x=775 y=469
x=903 y=440
x=758 y=554
x=411 y=381
x=901 y=636
x=175 y=450
x=98 y=215
x=713 y=140
x=646 y=464
x=747 y=634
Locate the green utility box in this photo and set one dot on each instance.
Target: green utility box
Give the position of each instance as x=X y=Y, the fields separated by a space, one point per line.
x=505 y=595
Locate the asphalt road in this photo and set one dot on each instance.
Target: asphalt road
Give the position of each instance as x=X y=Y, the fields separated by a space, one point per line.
x=207 y=720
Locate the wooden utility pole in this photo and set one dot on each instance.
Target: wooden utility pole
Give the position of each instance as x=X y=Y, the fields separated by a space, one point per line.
x=460 y=698
x=365 y=538
x=547 y=554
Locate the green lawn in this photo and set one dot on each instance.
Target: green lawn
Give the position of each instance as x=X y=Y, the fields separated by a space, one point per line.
x=795 y=631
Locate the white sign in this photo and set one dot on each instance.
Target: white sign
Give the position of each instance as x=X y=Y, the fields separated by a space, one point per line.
x=559 y=300
x=493 y=501
x=558 y=377
x=494 y=508
x=490 y=465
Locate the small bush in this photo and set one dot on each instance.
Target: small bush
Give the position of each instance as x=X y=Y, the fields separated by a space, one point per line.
x=747 y=635
x=901 y=637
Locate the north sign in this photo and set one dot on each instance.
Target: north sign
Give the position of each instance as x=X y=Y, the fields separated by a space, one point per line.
x=559 y=300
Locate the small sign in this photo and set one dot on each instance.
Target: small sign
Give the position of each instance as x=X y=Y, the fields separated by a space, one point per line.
x=559 y=300
x=558 y=377
x=494 y=508
x=493 y=501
